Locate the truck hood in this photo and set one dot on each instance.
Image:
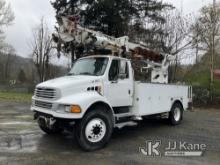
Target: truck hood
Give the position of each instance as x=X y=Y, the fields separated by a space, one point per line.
x=68 y=85
x=67 y=81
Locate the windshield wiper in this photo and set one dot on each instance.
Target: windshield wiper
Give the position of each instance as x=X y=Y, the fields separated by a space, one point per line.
x=86 y=73
x=70 y=74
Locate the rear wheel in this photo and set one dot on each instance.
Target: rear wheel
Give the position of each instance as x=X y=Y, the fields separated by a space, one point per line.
x=176 y=114
x=94 y=130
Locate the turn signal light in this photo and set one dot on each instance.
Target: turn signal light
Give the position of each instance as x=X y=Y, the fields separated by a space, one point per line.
x=75 y=109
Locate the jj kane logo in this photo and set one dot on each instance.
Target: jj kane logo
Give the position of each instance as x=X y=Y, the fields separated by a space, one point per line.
x=174 y=148
x=151 y=148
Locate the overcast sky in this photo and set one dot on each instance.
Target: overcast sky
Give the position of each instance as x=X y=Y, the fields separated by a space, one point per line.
x=29 y=12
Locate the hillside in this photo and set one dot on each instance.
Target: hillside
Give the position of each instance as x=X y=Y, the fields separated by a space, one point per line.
x=12 y=66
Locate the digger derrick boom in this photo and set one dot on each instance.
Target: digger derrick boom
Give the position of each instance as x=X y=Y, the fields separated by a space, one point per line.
x=70 y=31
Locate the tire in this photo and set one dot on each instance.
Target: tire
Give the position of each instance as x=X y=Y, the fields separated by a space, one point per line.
x=176 y=114
x=94 y=131
x=50 y=131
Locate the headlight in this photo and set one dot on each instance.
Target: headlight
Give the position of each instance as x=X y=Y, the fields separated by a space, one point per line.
x=72 y=109
x=67 y=108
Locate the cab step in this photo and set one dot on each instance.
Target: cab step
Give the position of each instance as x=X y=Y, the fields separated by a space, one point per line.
x=122 y=115
x=124 y=124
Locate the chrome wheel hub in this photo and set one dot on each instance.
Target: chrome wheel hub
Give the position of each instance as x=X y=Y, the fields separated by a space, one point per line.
x=95 y=130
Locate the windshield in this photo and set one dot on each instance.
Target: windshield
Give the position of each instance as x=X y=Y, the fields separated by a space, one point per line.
x=90 y=66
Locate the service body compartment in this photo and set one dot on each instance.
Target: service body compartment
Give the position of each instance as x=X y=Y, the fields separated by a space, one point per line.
x=150 y=98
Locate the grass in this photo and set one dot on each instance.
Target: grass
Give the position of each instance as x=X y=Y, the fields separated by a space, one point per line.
x=17 y=97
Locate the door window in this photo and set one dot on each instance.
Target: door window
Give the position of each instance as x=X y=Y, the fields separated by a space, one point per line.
x=118 y=70
x=123 y=74
x=114 y=70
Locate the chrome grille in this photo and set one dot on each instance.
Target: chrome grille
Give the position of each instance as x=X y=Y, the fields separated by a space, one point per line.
x=45 y=93
x=42 y=104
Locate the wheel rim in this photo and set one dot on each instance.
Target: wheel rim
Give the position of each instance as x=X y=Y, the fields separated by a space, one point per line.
x=95 y=130
x=177 y=114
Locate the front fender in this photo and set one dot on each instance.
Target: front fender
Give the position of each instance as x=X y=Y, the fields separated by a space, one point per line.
x=84 y=100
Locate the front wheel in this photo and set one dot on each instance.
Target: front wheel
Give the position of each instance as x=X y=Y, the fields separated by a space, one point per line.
x=94 y=130
x=176 y=114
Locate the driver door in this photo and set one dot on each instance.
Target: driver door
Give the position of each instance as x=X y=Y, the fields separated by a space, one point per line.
x=120 y=84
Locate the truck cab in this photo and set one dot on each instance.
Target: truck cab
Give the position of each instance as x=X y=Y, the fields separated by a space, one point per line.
x=98 y=94
x=100 y=77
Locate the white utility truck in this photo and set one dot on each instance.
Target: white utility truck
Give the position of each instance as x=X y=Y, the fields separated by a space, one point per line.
x=100 y=94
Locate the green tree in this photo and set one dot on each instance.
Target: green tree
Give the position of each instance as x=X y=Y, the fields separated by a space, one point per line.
x=114 y=17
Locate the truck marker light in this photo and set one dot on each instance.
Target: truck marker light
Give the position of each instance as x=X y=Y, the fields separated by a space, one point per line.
x=75 y=109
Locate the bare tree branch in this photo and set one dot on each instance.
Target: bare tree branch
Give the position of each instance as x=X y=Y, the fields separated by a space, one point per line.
x=41 y=46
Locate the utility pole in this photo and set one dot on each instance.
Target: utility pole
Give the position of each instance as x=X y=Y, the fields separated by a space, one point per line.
x=213 y=49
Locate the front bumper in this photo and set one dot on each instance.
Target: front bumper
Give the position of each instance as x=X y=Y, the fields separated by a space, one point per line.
x=56 y=111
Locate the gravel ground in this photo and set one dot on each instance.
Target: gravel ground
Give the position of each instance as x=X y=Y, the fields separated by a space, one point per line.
x=23 y=143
